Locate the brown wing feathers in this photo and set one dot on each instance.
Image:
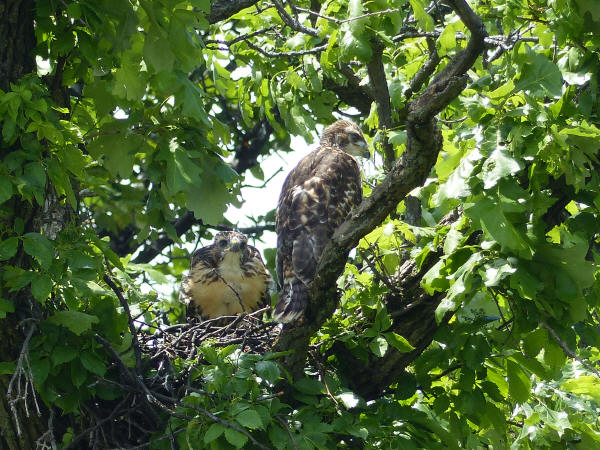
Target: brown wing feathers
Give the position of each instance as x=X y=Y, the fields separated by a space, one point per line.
x=316 y=197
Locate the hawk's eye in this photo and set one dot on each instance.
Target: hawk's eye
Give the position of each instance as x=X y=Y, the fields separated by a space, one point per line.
x=243 y=245
x=355 y=137
x=222 y=243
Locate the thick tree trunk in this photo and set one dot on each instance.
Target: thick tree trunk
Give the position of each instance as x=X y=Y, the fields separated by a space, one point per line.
x=17 y=40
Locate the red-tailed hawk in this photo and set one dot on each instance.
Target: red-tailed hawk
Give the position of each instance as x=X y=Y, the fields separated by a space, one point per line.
x=316 y=198
x=225 y=278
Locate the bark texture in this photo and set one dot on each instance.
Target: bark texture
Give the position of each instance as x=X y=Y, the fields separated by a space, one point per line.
x=17 y=40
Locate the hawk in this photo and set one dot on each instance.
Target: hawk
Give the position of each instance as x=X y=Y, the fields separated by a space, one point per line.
x=225 y=278
x=316 y=198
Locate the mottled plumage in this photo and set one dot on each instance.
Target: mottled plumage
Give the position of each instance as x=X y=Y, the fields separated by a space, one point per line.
x=225 y=278
x=316 y=198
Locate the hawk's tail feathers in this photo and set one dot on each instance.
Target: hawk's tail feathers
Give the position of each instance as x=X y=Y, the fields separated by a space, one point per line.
x=292 y=302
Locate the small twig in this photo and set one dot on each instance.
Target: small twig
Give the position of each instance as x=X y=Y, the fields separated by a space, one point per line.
x=268 y=397
x=293 y=23
x=322 y=375
x=208 y=414
x=287 y=428
x=278 y=171
x=312 y=51
x=425 y=71
x=567 y=350
x=350 y=19
x=449 y=122
x=116 y=411
x=495 y=297
x=379 y=276
x=446 y=372
x=242 y=37
x=132 y=329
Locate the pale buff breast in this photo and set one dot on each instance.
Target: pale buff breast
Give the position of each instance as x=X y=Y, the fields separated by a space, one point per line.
x=229 y=291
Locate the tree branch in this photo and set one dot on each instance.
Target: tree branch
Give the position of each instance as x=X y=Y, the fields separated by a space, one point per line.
x=136 y=345
x=381 y=95
x=223 y=9
x=292 y=22
x=425 y=71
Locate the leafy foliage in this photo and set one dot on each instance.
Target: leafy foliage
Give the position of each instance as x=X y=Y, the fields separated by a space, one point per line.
x=472 y=323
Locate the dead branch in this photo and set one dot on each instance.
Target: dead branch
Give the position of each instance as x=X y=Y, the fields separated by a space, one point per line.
x=21 y=382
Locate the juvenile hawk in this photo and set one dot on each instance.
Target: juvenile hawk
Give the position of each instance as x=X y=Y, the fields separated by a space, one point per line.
x=225 y=278
x=316 y=197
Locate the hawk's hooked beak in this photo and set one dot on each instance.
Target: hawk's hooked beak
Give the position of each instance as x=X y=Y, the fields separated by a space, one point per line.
x=237 y=245
x=365 y=150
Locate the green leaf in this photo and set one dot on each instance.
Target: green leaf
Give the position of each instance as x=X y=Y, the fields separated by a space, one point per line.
x=40 y=248
x=494 y=222
x=78 y=373
x=424 y=20
x=157 y=52
x=62 y=354
x=448 y=38
x=129 y=82
x=396 y=90
x=190 y=97
x=355 y=47
x=309 y=386
x=7 y=368
x=213 y=432
x=6 y=189
x=398 y=342
x=355 y=9
x=379 y=346
x=75 y=321
x=267 y=370
x=499 y=164
x=519 y=385
x=35 y=176
x=40 y=369
x=534 y=342
x=93 y=364
x=117 y=151
x=8 y=248
x=570 y=260
x=585 y=385
x=6 y=306
x=235 y=438
x=539 y=75
x=210 y=198
x=249 y=418
x=41 y=287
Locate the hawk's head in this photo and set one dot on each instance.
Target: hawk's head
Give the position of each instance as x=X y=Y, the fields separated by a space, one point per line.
x=346 y=136
x=229 y=245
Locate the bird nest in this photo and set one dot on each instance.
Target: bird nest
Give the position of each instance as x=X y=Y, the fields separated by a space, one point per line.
x=151 y=390
x=249 y=331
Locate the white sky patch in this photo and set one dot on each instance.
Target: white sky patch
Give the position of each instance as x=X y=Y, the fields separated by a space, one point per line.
x=259 y=201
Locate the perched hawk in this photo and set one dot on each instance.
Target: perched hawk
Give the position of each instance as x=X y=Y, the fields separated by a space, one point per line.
x=225 y=278
x=316 y=197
